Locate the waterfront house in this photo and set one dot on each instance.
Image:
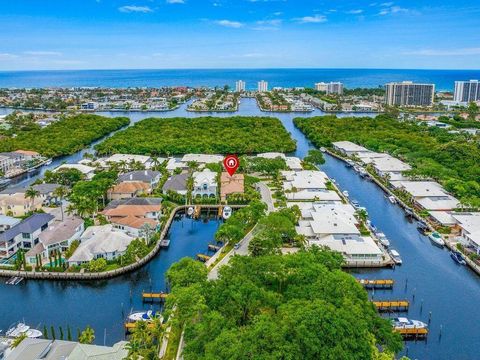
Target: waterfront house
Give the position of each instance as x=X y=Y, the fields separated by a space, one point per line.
x=231 y=185
x=102 y=241
x=307 y=185
x=133 y=219
x=130 y=189
x=468 y=225
x=176 y=183
x=46 y=192
x=149 y=177
x=174 y=165
x=427 y=195
x=348 y=148
x=23 y=235
x=202 y=158
x=86 y=170
x=6 y=222
x=58 y=236
x=294 y=163
x=126 y=159
x=18 y=205
x=35 y=349
x=204 y=184
x=6 y=163
x=388 y=165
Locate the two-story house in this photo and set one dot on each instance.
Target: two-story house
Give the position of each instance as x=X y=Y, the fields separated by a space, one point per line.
x=204 y=184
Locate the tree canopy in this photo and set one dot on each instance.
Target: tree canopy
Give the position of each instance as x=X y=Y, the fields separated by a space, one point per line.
x=237 y=134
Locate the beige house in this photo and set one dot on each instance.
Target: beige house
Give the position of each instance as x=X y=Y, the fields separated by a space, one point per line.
x=17 y=205
x=231 y=185
x=129 y=189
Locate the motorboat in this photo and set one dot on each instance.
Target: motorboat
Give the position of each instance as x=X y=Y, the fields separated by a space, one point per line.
x=363 y=173
x=322 y=149
x=227 y=212
x=436 y=238
x=405 y=323
x=345 y=193
x=457 y=257
x=349 y=163
x=190 y=211
x=143 y=315
x=355 y=204
x=21 y=329
x=392 y=199
x=383 y=239
x=395 y=257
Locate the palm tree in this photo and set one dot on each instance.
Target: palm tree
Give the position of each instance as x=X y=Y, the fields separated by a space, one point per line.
x=31 y=194
x=60 y=193
x=87 y=336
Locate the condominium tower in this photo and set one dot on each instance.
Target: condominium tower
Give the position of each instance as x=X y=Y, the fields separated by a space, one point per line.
x=262 y=86
x=240 y=86
x=467 y=91
x=330 y=88
x=407 y=93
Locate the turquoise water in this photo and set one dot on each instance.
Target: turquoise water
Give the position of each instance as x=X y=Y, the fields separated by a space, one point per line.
x=444 y=79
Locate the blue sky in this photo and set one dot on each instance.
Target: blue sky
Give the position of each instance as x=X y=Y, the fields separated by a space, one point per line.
x=114 y=34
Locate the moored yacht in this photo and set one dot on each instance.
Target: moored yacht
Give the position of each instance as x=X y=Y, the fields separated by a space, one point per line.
x=405 y=323
x=21 y=329
x=457 y=257
x=143 y=315
x=383 y=239
x=392 y=199
x=227 y=212
x=436 y=239
x=395 y=257
x=345 y=193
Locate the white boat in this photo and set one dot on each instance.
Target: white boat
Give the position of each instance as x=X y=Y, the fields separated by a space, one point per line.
x=405 y=323
x=392 y=199
x=383 y=239
x=355 y=204
x=363 y=173
x=345 y=193
x=21 y=329
x=349 y=163
x=436 y=238
x=227 y=212
x=190 y=211
x=396 y=257
x=143 y=315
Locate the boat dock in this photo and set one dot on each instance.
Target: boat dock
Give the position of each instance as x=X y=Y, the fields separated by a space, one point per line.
x=203 y=258
x=377 y=283
x=150 y=297
x=129 y=326
x=395 y=305
x=197 y=212
x=412 y=333
x=14 y=280
x=212 y=247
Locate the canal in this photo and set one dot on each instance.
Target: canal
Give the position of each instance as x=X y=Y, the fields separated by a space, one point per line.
x=428 y=278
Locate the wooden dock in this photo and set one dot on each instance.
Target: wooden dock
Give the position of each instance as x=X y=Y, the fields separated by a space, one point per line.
x=413 y=333
x=395 y=305
x=220 y=211
x=132 y=325
x=197 y=212
x=203 y=258
x=377 y=283
x=212 y=247
x=161 y=296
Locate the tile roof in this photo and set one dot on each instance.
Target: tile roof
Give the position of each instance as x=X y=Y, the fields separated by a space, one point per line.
x=129 y=187
x=60 y=231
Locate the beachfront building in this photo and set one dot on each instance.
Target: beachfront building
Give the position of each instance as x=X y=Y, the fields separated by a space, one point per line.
x=102 y=241
x=231 y=185
x=262 y=86
x=204 y=184
x=335 y=88
x=240 y=86
x=321 y=86
x=407 y=93
x=334 y=225
x=176 y=183
x=149 y=177
x=58 y=236
x=86 y=170
x=128 y=189
x=23 y=235
x=427 y=195
x=466 y=91
x=469 y=229
x=44 y=349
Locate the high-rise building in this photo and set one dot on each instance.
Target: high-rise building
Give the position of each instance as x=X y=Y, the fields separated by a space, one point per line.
x=262 y=86
x=335 y=88
x=407 y=93
x=321 y=86
x=467 y=91
x=240 y=86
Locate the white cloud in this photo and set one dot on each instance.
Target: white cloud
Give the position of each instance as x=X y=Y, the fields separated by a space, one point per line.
x=445 y=52
x=229 y=23
x=43 y=53
x=7 y=56
x=134 y=8
x=397 y=10
x=355 y=12
x=312 y=19
x=175 y=1
x=273 y=22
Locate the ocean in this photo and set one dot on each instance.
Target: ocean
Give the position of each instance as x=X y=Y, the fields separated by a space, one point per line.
x=352 y=78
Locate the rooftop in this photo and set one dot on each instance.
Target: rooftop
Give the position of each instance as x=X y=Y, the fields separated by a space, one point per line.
x=141 y=175
x=29 y=225
x=60 y=231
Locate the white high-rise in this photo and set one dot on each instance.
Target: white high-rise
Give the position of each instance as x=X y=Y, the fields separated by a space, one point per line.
x=467 y=91
x=321 y=86
x=407 y=93
x=262 y=86
x=240 y=86
x=335 y=88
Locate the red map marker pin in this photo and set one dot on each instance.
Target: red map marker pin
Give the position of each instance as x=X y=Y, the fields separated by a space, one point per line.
x=231 y=164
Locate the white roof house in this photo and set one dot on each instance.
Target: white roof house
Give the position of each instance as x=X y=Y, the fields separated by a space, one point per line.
x=368 y=157
x=439 y=203
x=88 y=171
x=174 y=164
x=304 y=179
x=100 y=241
x=202 y=158
x=469 y=224
x=430 y=195
x=294 y=163
x=348 y=147
x=272 y=155
x=353 y=248
x=128 y=158
x=313 y=195
x=387 y=164
x=204 y=183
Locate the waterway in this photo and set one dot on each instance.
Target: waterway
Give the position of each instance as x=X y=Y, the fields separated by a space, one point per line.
x=428 y=278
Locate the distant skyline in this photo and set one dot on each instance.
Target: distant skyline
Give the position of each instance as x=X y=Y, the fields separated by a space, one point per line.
x=196 y=34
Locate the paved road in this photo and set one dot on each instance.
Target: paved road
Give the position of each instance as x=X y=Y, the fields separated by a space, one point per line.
x=266 y=195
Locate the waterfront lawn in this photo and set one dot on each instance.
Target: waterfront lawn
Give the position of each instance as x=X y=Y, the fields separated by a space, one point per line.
x=236 y=134
x=65 y=136
x=451 y=159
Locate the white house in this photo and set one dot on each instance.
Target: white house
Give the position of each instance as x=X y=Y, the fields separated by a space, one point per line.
x=86 y=170
x=428 y=195
x=100 y=242
x=146 y=161
x=348 y=148
x=204 y=184
x=202 y=158
x=469 y=225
